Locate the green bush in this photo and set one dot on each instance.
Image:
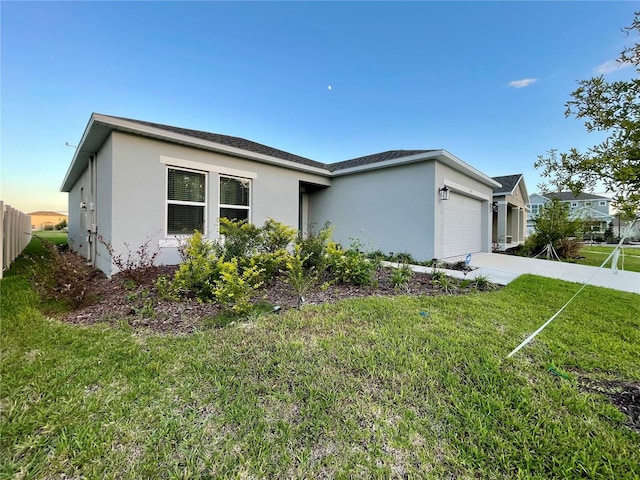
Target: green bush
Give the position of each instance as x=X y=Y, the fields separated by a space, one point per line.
x=199 y=270
x=241 y=239
x=313 y=247
x=270 y=264
x=235 y=287
x=350 y=266
x=297 y=277
x=276 y=236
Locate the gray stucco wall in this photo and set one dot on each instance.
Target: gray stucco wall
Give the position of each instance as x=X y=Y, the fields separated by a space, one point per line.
x=139 y=191
x=81 y=220
x=391 y=209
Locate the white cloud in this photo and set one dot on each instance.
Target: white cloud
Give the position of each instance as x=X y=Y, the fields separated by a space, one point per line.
x=525 y=82
x=610 y=66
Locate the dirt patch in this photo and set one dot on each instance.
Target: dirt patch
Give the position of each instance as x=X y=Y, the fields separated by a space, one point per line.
x=120 y=299
x=624 y=395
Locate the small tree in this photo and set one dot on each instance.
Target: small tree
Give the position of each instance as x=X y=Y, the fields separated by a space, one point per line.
x=552 y=226
x=62 y=225
x=614 y=109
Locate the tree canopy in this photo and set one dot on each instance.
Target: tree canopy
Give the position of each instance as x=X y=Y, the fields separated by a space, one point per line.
x=613 y=108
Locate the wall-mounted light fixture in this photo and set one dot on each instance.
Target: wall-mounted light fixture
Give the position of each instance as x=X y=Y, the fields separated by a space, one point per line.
x=494 y=206
x=444 y=193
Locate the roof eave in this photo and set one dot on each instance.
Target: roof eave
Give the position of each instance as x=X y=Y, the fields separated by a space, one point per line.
x=96 y=139
x=441 y=155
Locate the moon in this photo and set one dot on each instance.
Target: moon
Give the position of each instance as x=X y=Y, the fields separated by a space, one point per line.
x=329 y=87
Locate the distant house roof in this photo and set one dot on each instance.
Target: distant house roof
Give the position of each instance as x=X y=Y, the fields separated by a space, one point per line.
x=568 y=196
x=42 y=213
x=508 y=182
x=100 y=127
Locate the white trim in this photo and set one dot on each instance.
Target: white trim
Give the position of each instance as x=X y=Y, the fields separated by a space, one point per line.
x=207 y=167
x=470 y=192
x=174 y=242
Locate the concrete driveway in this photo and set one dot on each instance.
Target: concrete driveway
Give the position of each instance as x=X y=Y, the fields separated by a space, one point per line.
x=502 y=269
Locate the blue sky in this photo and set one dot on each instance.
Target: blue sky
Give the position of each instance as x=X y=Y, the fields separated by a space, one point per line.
x=486 y=81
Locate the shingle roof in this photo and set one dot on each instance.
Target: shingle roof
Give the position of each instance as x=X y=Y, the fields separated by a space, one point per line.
x=235 y=142
x=374 y=158
x=508 y=183
x=255 y=147
x=564 y=196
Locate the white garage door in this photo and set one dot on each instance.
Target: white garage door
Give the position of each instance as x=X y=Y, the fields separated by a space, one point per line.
x=462 y=225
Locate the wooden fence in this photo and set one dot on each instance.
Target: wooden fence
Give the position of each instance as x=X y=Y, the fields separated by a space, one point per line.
x=15 y=234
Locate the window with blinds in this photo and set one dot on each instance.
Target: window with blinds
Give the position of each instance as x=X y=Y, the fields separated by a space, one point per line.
x=235 y=198
x=186 y=201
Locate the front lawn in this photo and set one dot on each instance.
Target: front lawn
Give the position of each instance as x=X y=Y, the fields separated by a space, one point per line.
x=594 y=255
x=404 y=387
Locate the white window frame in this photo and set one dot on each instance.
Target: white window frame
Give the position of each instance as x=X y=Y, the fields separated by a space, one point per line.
x=237 y=207
x=603 y=203
x=574 y=204
x=182 y=202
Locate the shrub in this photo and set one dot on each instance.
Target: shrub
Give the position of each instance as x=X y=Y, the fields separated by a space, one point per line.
x=276 y=236
x=133 y=265
x=442 y=281
x=568 y=248
x=234 y=288
x=198 y=271
x=313 y=247
x=402 y=257
x=400 y=277
x=62 y=275
x=270 y=264
x=482 y=282
x=241 y=239
x=297 y=277
x=349 y=266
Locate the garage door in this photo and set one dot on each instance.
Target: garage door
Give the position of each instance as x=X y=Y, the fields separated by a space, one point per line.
x=462 y=225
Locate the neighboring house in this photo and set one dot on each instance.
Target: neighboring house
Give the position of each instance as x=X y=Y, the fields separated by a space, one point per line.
x=510 y=202
x=132 y=181
x=586 y=206
x=629 y=227
x=43 y=220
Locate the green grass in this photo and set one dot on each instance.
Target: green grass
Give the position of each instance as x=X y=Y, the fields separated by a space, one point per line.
x=368 y=388
x=594 y=255
x=52 y=236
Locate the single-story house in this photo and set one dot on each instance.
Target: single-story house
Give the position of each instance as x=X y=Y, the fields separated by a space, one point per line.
x=133 y=181
x=510 y=201
x=43 y=220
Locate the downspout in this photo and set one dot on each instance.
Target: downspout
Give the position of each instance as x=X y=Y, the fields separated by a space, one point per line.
x=92 y=230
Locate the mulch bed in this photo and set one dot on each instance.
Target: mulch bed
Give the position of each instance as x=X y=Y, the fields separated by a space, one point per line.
x=118 y=299
x=624 y=395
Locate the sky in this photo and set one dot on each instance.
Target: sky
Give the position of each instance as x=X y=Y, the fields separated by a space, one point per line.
x=486 y=81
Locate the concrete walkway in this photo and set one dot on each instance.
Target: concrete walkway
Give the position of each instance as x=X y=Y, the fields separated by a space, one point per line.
x=502 y=269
